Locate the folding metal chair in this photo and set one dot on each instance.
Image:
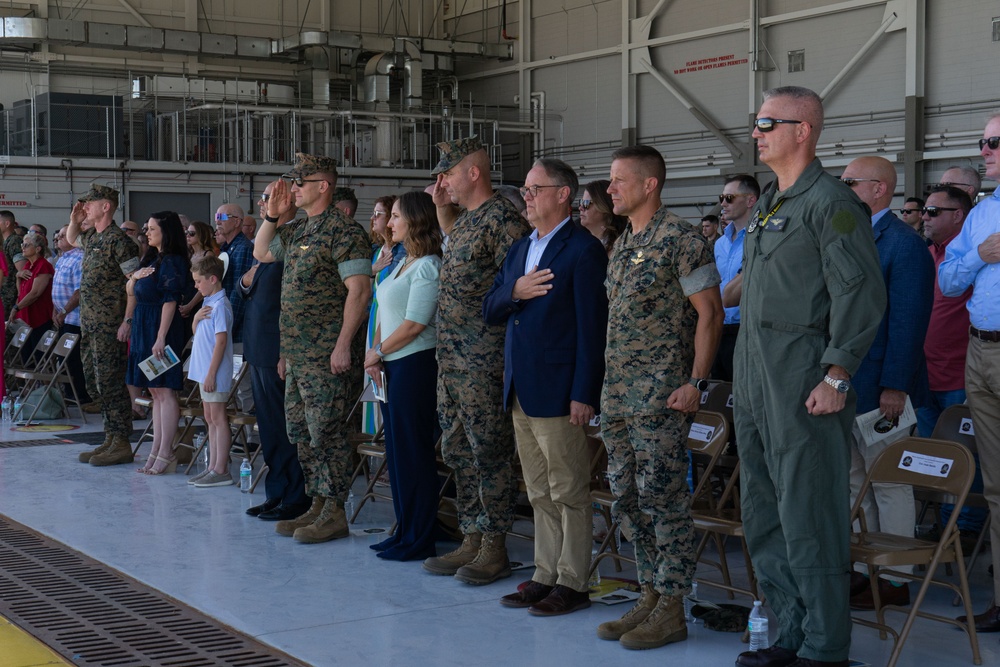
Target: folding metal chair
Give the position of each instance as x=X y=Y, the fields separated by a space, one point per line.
x=369 y=447
x=14 y=344
x=51 y=374
x=934 y=466
x=37 y=359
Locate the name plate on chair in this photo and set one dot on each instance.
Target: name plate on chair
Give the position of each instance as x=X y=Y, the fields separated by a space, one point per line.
x=966 y=427
x=701 y=432
x=925 y=465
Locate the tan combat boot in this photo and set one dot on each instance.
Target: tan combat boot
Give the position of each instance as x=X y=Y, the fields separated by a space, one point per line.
x=489 y=564
x=449 y=563
x=101 y=448
x=331 y=524
x=289 y=526
x=664 y=625
x=120 y=451
x=613 y=630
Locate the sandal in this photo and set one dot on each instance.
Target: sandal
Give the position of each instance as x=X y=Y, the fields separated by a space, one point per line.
x=169 y=465
x=150 y=461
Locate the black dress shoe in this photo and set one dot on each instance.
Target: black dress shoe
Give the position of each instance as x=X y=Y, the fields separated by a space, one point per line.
x=806 y=662
x=774 y=656
x=525 y=597
x=562 y=600
x=988 y=621
x=265 y=506
x=284 y=512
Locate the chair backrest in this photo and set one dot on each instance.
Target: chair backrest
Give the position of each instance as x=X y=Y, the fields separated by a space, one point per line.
x=64 y=347
x=955 y=424
x=925 y=463
x=16 y=341
x=707 y=436
x=720 y=399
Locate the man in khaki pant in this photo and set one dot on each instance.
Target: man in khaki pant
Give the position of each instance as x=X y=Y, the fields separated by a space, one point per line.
x=550 y=294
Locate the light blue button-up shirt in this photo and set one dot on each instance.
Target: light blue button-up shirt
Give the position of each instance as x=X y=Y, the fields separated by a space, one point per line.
x=729 y=259
x=962 y=266
x=537 y=246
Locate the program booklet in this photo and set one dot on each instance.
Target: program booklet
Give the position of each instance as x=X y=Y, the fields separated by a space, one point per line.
x=153 y=367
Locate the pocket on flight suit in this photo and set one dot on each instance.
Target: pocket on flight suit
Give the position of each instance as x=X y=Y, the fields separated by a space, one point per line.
x=843 y=275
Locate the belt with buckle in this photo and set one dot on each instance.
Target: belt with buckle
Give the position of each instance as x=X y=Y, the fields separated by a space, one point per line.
x=985 y=336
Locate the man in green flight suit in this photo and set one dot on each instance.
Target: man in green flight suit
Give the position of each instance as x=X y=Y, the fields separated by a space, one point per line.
x=813 y=297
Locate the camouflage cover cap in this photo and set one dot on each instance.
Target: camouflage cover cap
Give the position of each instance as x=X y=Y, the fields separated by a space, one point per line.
x=340 y=194
x=98 y=191
x=452 y=152
x=307 y=165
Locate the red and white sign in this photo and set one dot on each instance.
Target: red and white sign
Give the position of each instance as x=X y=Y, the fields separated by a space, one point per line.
x=711 y=63
x=12 y=203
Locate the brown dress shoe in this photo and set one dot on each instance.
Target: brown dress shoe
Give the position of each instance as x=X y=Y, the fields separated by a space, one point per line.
x=988 y=621
x=533 y=592
x=562 y=600
x=774 y=656
x=888 y=594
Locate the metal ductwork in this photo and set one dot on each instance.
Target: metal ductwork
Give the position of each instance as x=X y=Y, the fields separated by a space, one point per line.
x=377 y=72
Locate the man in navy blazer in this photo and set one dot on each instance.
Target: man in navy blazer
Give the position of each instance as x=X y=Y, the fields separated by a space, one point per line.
x=550 y=293
x=894 y=367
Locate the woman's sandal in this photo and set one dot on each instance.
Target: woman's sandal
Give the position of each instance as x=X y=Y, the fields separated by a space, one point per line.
x=150 y=462
x=170 y=465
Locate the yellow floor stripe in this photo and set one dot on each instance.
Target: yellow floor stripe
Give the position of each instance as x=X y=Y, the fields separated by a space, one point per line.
x=20 y=649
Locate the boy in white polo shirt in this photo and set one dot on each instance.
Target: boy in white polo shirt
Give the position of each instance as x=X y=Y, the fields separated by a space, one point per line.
x=212 y=367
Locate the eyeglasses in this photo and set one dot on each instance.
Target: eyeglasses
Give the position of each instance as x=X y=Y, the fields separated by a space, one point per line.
x=265 y=196
x=585 y=204
x=935 y=211
x=221 y=217
x=908 y=211
x=767 y=124
x=378 y=214
x=533 y=189
x=191 y=234
x=945 y=184
x=729 y=199
x=851 y=182
x=301 y=181
x=993 y=142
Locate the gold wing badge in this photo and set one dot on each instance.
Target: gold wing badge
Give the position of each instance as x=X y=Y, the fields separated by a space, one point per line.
x=638 y=259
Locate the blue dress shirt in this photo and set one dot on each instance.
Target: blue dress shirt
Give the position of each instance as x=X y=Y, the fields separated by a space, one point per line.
x=962 y=266
x=729 y=259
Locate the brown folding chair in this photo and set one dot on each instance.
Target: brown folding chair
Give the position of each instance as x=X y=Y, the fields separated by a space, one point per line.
x=955 y=425
x=370 y=447
x=933 y=466
x=51 y=373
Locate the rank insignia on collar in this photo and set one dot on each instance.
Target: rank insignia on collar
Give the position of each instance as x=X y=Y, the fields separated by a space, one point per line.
x=638 y=259
x=754 y=222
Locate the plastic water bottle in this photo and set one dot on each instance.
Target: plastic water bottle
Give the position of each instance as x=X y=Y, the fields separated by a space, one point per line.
x=7 y=408
x=18 y=404
x=198 y=441
x=246 y=470
x=595 y=577
x=689 y=602
x=349 y=505
x=758 y=628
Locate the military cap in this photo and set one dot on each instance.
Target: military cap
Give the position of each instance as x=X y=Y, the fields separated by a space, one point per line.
x=452 y=152
x=98 y=191
x=307 y=165
x=340 y=194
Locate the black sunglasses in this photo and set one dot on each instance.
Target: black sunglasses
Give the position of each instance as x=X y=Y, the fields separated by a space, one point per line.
x=851 y=182
x=994 y=143
x=265 y=196
x=729 y=199
x=299 y=181
x=935 y=211
x=768 y=124
x=584 y=205
x=907 y=211
x=190 y=233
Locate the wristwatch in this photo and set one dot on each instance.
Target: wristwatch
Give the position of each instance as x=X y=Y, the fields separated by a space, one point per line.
x=378 y=351
x=840 y=385
x=701 y=384
x=268 y=218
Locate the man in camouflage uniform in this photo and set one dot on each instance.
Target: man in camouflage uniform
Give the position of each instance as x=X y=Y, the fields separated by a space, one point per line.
x=326 y=290
x=11 y=248
x=109 y=257
x=664 y=323
x=478 y=439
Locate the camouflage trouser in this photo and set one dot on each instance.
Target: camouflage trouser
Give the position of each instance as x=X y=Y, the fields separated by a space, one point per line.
x=104 y=361
x=478 y=444
x=647 y=469
x=316 y=404
x=8 y=293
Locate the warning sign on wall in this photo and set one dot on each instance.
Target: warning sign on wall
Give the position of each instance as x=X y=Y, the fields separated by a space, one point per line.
x=11 y=203
x=711 y=63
